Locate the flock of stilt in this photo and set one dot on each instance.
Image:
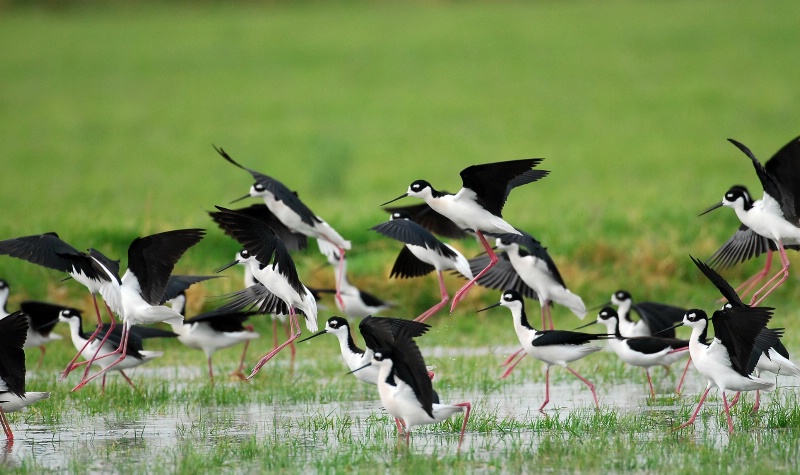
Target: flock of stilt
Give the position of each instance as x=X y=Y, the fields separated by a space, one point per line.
x=391 y=359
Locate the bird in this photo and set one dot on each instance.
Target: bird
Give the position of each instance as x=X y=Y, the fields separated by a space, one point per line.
x=41 y=322
x=479 y=203
x=654 y=318
x=279 y=288
x=422 y=254
x=642 y=351
x=373 y=327
x=775 y=217
x=93 y=353
x=287 y=207
x=552 y=347
x=13 y=397
x=528 y=267
x=356 y=303
x=404 y=384
x=726 y=361
x=214 y=330
x=770 y=358
x=151 y=260
x=98 y=273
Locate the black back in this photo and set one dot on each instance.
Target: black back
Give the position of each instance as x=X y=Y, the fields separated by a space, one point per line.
x=380 y=332
x=737 y=328
x=409 y=366
x=564 y=337
x=409 y=232
x=429 y=219
x=43 y=316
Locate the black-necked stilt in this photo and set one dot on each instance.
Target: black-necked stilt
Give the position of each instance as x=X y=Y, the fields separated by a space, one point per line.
x=292 y=240
x=539 y=277
x=552 y=347
x=422 y=254
x=13 y=331
x=95 y=271
x=377 y=331
x=151 y=260
x=726 y=361
x=654 y=318
x=479 y=203
x=405 y=387
x=215 y=330
x=93 y=352
x=42 y=317
x=772 y=359
x=777 y=215
x=356 y=303
x=273 y=268
x=642 y=351
x=287 y=207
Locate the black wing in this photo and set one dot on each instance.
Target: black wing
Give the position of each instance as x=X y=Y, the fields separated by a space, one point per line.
x=429 y=219
x=721 y=284
x=501 y=276
x=659 y=317
x=409 y=232
x=651 y=344
x=409 y=365
x=564 y=337
x=151 y=332
x=255 y=297
x=13 y=333
x=407 y=265
x=380 y=332
x=177 y=284
x=768 y=338
x=48 y=250
x=293 y=241
x=223 y=321
x=533 y=247
x=372 y=301
x=784 y=166
x=260 y=241
x=151 y=259
x=43 y=315
x=737 y=329
x=745 y=244
x=281 y=192
x=491 y=181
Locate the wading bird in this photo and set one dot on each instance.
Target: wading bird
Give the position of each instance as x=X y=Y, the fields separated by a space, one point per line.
x=552 y=347
x=422 y=254
x=479 y=203
x=775 y=217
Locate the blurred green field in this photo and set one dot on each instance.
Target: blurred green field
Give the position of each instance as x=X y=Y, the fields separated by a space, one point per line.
x=108 y=115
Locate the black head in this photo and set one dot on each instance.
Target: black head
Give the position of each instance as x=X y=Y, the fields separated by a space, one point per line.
x=695 y=316
x=418 y=186
x=511 y=296
x=607 y=314
x=259 y=188
x=382 y=354
x=337 y=322
x=622 y=295
x=68 y=314
x=737 y=192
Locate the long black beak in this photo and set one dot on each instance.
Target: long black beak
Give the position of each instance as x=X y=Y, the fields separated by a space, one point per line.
x=227 y=266
x=718 y=205
x=321 y=332
x=670 y=328
x=490 y=306
x=359 y=369
x=240 y=199
x=588 y=324
x=599 y=306
x=398 y=198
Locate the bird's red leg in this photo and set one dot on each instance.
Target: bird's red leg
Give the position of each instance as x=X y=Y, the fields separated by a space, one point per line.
x=591 y=386
x=546 y=389
x=492 y=261
x=782 y=275
x=685 y=369
x=696 y=411
x=438 y=306
x=268 y=356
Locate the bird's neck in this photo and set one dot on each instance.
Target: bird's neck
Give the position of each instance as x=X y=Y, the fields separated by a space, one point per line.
x=347 y=344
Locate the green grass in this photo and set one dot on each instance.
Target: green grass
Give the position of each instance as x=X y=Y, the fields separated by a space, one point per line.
x=108 y=115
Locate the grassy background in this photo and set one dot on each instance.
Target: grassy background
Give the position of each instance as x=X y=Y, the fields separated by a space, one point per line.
x=108 y=114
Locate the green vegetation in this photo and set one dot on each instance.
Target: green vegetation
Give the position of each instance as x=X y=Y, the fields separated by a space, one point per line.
x=108 y=115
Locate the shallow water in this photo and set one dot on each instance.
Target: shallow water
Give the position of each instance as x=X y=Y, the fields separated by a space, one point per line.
x=102 y=442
